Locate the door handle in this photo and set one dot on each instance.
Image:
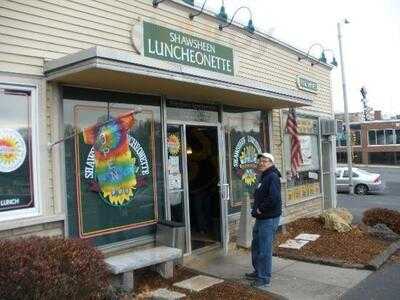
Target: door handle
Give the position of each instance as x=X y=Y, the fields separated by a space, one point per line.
x=224 y=190
x=175 y=190
x=227 y=192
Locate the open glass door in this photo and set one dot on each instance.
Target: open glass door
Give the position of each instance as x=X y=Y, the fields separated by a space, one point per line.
x=177 y=178
x=224 y=191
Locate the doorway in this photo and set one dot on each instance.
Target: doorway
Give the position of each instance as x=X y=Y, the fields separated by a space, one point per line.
x=203 y=185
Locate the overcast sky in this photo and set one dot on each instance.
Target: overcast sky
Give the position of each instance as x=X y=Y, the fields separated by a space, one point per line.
x=371 y=42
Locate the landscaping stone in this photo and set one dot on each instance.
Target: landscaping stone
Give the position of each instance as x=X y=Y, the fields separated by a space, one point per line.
x=307 y=237
x=383 y=232
x=338 y=219
x=165 y=294
x=293 y=244
x=198 y=283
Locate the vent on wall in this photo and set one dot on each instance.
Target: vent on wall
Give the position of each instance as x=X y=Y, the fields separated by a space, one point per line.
x=328 y=127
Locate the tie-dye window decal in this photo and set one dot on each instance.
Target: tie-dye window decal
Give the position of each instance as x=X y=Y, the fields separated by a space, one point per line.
x=115 y=176
x=114 y=168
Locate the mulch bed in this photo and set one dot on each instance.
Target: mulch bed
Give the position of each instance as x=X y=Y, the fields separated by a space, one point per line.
x=389 y=217
x=354 y=248
x=147 y=280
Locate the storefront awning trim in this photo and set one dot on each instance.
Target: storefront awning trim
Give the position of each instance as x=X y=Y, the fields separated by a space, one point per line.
x=122 y=61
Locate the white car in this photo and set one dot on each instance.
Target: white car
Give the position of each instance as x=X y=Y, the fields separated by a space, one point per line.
x=363 y=181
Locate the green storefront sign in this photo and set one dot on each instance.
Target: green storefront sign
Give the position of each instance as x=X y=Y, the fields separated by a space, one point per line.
x=178 y=47
x=306 y=84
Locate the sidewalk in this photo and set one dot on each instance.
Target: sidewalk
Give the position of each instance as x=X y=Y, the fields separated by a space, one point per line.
x=290 y=279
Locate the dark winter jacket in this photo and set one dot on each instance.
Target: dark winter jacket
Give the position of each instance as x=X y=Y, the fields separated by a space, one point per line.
x=267 y=196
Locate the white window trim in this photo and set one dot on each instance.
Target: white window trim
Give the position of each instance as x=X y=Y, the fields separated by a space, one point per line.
x=36 y=180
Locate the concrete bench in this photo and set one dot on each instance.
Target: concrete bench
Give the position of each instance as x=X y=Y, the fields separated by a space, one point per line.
x=161 y=257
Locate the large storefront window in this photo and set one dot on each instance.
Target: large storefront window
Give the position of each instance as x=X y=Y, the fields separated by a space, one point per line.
x=113 y=165
x=16 y=188
x=307 y=183
x=245 y=137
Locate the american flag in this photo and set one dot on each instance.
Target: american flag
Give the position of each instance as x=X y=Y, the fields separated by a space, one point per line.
x=295 y=150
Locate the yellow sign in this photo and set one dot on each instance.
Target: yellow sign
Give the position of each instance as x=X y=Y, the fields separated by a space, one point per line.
x=306 y=126
x=301 y=192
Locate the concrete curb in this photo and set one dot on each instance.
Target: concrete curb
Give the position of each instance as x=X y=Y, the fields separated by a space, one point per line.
x=323 y=261
x=378 y=261
x=374 y=264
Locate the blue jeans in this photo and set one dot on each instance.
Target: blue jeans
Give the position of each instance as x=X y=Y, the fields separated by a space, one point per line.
x=261 y=247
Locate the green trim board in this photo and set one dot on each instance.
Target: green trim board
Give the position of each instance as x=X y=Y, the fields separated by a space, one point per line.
x=306 y=84
x=175 y=46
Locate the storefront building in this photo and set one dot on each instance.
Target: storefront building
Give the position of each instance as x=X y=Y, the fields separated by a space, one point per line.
x=76 y=162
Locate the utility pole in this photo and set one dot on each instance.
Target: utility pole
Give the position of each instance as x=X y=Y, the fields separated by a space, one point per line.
x=346 y=110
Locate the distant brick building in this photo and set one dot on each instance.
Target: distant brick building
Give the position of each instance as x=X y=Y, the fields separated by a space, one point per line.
x=353 y=117
x=373 y=142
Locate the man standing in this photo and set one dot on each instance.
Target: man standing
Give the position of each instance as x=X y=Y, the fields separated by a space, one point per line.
x=267 y=209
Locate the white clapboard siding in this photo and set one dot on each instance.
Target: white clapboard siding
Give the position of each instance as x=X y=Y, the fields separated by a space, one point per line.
x=29 y=43
x=74 y=11
x=22 y=59
x=59 y=24
x=48 y=29
x=20 y=68
x=60 y=16
x=47 y=55
x=57 y=36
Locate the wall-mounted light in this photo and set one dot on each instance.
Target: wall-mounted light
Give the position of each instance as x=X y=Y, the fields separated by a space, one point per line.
x=333 y=62
x=322 y=57
x=249 y=28
x=156 y=2
x=222 y=16
x=192 y=15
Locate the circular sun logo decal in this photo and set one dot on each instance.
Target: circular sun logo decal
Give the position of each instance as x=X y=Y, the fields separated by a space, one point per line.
x=174 y=144
x=245 y=159
x=12 y=150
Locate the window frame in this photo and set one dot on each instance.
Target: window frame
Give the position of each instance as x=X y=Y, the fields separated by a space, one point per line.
x=386 y=136
x=354 y=132
x=369 y=143
x=36 y=210
x=394 y=135
x=293 y=188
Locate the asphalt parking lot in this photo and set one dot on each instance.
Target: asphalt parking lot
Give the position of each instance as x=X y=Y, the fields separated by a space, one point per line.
x=389 y=198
